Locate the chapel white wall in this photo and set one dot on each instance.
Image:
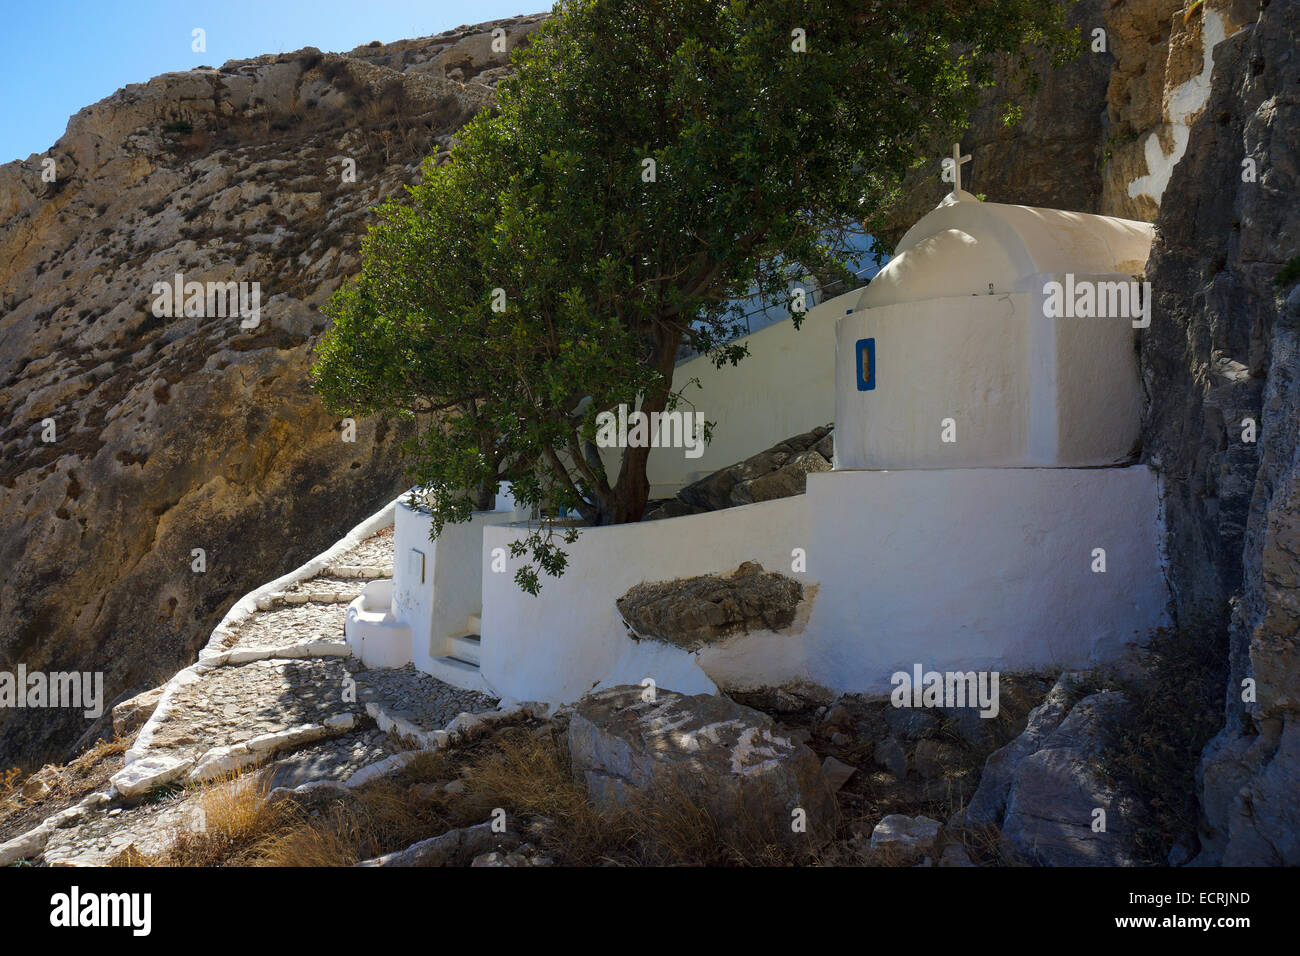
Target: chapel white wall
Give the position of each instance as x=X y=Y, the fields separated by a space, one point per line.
x=786 y=386
x=1021 y=389
x=437 y=603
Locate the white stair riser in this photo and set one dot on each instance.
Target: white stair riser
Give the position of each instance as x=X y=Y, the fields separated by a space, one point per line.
x=467 y=648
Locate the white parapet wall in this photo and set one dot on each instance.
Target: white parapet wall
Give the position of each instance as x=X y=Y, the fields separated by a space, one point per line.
x=980 y=569
x=955 y=570
x=557 y=646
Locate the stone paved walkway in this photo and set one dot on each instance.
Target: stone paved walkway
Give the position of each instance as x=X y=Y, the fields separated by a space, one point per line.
x=410 y=694
x=335 y=759
x=291 y=625
x=328 y=589
x=235 y=709
x=149 y=828
x=229 y=705
x=375 y=551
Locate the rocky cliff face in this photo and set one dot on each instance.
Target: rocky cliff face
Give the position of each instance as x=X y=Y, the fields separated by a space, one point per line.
x=1223 y=351
x=1102 y=133
x=1189 y=119
x=129 y=440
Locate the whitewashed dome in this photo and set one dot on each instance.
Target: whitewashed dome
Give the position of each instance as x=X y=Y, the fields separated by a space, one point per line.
x=964 y=245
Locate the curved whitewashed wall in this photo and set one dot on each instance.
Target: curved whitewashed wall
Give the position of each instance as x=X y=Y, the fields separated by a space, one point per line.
x=961 y=569
x=556 y=647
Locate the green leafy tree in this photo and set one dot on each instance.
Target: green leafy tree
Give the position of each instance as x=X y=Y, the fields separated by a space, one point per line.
x=649 y=163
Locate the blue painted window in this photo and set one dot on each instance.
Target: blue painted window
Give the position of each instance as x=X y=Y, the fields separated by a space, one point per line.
x=866 y=364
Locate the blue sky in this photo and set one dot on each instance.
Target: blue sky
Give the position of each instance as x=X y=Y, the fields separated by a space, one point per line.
x=56 y=58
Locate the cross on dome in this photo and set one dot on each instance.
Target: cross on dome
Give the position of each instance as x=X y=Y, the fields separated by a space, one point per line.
x=957 y=160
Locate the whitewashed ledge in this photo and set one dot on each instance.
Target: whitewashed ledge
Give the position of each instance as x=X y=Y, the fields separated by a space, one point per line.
x=215 y=652
x=159 y=769
x=30 y=844
x=465 y=728
x=156 y=770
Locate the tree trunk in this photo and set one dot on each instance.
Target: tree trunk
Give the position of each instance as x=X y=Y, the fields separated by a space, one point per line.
x=485 y=496
x=632 y=489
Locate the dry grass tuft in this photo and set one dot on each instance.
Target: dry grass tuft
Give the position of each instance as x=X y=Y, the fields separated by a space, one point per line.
x=330 y=841
x=10 y=780
x=68 y=783
x=527 y=773
x=232 y=819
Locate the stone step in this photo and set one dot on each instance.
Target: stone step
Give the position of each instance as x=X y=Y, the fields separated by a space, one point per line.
x=451 y=669
x=476 y=624
x=456 y=664
x=364 y=572
x=466 y=648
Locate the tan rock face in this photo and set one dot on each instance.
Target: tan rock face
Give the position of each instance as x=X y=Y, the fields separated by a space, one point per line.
x=192 y=432
x=1155 y=91
x=1083 y=138
x=1138 y=36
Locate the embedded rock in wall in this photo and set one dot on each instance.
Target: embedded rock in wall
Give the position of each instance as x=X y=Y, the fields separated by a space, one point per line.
x=129 y=440
x=693 y=612
x=1221 y=363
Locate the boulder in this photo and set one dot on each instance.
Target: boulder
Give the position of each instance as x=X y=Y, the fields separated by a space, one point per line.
x=988 y=805
x=692 y=612
x=1056 y=792
x=837 y=772
x=39 y=784
x=719 y=755
x=889 y=753
x=777 y=472
x=903 y=839
x=133 y=712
